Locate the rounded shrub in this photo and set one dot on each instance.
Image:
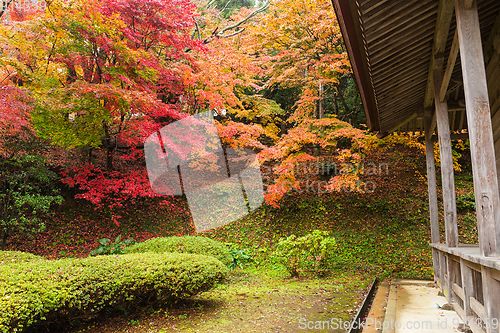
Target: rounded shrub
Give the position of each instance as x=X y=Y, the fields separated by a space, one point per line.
x=59 y=290
x=184 y=244
x=11 y=257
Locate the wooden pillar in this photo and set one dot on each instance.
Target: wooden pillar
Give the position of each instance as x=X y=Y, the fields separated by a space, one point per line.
x=447 y=174
x=431 y=181
x=479 y=127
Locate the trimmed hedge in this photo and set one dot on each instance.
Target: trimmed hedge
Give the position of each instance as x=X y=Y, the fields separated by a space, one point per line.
x=184 y=244
x=11 y=257
x=59 y=290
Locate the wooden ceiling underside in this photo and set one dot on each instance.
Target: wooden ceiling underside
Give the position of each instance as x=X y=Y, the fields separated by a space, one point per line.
x=395 y=38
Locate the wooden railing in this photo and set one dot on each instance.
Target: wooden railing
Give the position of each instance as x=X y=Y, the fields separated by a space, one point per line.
x=471 y=283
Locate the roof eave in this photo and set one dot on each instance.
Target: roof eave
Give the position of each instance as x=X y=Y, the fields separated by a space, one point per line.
x=357 y=57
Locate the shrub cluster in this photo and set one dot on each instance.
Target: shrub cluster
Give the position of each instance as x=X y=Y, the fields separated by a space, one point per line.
x=12 y=257
x=184 y=244
x=313 y=253
x=58 y=290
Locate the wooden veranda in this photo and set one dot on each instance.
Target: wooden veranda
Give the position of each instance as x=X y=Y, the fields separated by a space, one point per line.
x=405 y=60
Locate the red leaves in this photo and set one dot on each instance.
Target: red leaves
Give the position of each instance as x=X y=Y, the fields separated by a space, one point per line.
x=108 y=188
x=15 y=110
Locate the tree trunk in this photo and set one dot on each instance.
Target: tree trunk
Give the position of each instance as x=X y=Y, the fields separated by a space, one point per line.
x=5 y=234
x=321 y=111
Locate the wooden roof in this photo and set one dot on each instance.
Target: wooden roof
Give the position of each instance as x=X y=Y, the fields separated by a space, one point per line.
x=390 y=43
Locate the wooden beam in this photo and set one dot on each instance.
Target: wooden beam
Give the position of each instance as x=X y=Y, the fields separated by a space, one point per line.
x=403 y=122
x=443 y=21
x=489 y=45
x=462 y=120
x=468 y=4
x=450 y=65
x=432 y=126
x=447 y=174
x=454 y=136
x=480 y=129
x=431 y=182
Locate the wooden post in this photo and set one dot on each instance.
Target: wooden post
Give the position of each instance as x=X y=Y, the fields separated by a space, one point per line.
x=491 y=294
x=436 y=266
x=480 y=129
x=445 y=276
x=447 y=175
x=431 y=180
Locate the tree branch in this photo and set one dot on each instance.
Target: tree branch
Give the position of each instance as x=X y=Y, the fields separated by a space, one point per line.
x=221 y=34
x=5 y=6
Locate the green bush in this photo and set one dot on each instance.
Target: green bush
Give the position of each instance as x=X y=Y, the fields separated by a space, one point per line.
x=11 y=257
x=184 y=244
x=106 y=247
x=58 y=290
x=313 y=253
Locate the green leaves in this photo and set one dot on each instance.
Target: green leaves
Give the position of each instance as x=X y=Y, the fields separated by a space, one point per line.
x=54 y=290
x=184 y=244
x=313 y=253
x=27 y=191
x=106 y=247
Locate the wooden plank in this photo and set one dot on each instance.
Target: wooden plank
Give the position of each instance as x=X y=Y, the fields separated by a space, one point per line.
x=495 y=274
x=492 y=65
x=494 y=84
x=367 y=6
x=405 y=40
x=385 y=11
x=489 y=46
x=458 y=291
x=468 y=289
x=413 y=50
x=443 y=261
x=480 y=129
x=435 y=265
x=491 y=294
x=473 y=266
x=459 y=310
x=447 y=174
x=431 y=181
x=443 y=21
x=400 y=17
x=402 y=122
x=477 y=307
x=450 y=65
x=403 y=72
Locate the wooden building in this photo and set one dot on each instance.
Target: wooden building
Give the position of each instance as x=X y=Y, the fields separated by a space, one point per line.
x=433 y=66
